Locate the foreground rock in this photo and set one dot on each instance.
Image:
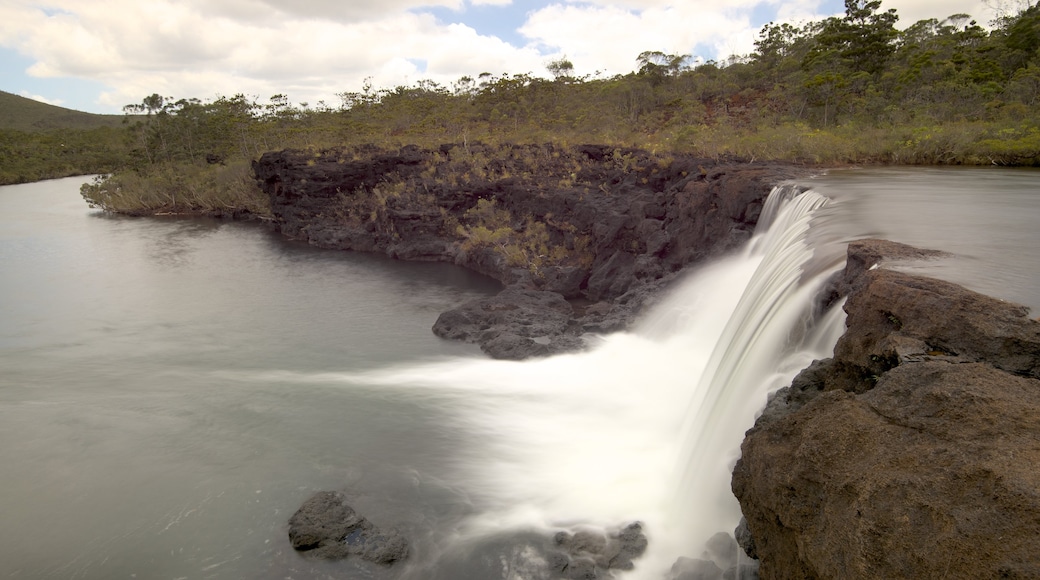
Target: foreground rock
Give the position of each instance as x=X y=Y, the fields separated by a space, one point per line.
x=915 y=451
x=607 y=226
x=586 y=554
x=326 y=527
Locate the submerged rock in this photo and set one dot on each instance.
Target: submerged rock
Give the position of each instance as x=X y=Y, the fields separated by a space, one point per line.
x=914 y=452
x=326 y=527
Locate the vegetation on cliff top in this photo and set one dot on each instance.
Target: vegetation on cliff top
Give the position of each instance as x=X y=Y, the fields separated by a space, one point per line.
x=851 y=89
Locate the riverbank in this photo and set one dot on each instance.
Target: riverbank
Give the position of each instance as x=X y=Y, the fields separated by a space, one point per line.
x=582 y=238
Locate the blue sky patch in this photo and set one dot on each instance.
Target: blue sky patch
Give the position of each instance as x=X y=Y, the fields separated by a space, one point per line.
x=74 y=93
x=489 y=20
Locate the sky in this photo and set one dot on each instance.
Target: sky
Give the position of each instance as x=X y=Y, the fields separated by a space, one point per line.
x=99 y=55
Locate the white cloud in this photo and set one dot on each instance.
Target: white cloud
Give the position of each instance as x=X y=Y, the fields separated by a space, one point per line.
x=313 y=49
x=609 y=35
x=42 y=99
x=910 y=11
x=202 y=49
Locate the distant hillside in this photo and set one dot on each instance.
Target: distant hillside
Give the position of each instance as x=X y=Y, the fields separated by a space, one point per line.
x=31 y=116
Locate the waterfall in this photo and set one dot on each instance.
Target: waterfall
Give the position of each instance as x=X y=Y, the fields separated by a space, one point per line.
x=645 y=426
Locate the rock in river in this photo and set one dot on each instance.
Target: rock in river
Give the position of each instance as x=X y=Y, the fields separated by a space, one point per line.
x=326 y=527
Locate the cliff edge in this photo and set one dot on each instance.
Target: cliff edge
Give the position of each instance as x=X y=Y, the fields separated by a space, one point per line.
x=914 y=451
x=581 y=237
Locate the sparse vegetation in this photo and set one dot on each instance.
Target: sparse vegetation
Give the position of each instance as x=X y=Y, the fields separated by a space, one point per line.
x=167 y=189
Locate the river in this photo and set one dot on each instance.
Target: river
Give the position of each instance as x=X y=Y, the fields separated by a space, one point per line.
x=172 y=389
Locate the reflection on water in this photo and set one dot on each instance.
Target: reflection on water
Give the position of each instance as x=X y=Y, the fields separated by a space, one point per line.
x=129 y=445
x=984 y=217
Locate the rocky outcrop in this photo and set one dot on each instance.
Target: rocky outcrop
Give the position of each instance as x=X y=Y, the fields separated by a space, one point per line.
x=915 y=451
x=326 y=527
x=515 y=324
x=603 y=225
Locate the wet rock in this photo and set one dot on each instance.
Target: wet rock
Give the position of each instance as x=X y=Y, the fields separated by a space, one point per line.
x=516 y=323
x=743 y=536
x=912 y=453
x=581 y=568
x=614 y=550
x=325 y=526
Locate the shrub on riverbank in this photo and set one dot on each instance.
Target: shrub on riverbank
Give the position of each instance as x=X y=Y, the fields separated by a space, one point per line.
x=179 y=189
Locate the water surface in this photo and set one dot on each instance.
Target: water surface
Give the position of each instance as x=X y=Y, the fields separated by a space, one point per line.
x=173 y=389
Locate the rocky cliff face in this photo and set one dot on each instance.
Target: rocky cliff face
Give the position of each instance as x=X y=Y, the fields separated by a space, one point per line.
x=915 y=451
x=603 y=225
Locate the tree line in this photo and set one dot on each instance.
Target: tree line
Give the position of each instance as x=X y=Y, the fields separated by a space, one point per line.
x=848 y=89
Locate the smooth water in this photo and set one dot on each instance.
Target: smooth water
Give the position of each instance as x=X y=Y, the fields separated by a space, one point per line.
x=171 y=390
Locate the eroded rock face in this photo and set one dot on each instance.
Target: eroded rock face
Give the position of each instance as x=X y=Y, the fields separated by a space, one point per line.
x=326 y=527
x=605 y=225
x=914 y=452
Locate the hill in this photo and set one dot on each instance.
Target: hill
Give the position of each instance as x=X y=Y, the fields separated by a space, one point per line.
x=22 y=114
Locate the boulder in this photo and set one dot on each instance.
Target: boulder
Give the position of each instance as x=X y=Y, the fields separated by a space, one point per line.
x=325 y=526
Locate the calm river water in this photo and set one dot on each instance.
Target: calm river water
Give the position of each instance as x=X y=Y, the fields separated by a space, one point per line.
x=170 y=389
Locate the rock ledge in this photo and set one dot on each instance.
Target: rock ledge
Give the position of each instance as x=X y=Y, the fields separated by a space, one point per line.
x=915 y=451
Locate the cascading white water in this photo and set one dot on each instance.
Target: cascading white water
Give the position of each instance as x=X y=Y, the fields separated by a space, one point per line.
x=647 y=424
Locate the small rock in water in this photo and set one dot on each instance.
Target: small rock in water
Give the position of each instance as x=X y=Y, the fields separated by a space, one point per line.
x=326 y=527
x=591 y=552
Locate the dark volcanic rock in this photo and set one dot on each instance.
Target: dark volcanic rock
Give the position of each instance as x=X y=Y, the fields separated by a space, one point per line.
x=589 y=554
x=514 y=324
x=914 y=452
x=594 y=222
x=326 y=527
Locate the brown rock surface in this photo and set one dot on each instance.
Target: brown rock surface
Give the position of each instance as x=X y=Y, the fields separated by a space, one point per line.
x=914 y=452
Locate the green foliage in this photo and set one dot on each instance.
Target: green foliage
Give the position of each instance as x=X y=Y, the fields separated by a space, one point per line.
x=179 y=189
x=29 y=116
x=34 y=156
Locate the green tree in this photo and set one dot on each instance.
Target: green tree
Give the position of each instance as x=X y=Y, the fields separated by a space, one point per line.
x=561 y=68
